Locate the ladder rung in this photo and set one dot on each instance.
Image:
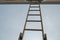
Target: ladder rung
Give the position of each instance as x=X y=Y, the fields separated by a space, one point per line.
x=33 y=29
x=34 y=10
x=34 y=6
x=33 y=20
x=34 y=14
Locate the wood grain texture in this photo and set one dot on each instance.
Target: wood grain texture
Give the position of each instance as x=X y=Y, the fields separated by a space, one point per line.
x=28 y=0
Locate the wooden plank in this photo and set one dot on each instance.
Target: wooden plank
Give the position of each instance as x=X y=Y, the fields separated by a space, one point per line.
x=14 y=2
x=29 y=0
x=25 y=2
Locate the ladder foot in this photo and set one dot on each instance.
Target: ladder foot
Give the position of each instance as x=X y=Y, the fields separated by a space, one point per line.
x=20 y=37
x=45 y=37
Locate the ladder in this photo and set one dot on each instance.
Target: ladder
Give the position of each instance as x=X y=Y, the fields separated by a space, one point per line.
x=40 y=15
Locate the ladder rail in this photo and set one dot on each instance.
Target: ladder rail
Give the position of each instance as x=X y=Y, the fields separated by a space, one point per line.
x=41 y=23
x=26 y=20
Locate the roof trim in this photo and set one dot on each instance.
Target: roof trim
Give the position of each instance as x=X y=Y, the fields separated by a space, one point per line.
x=29 y=3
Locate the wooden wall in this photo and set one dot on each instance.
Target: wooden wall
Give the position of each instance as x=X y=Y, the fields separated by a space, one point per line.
x=53 y=0
x=25 y=1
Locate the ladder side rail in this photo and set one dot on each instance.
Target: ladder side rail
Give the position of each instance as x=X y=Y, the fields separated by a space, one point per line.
x=26 y=21
x=41 y=23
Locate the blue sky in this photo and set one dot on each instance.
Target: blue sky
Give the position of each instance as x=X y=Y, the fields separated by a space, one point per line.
x=13 y=16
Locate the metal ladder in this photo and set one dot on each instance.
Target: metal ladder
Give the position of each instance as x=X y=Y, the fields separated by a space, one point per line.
x=25 y=29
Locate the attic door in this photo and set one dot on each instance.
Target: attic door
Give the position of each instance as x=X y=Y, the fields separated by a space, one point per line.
x=34 y=0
